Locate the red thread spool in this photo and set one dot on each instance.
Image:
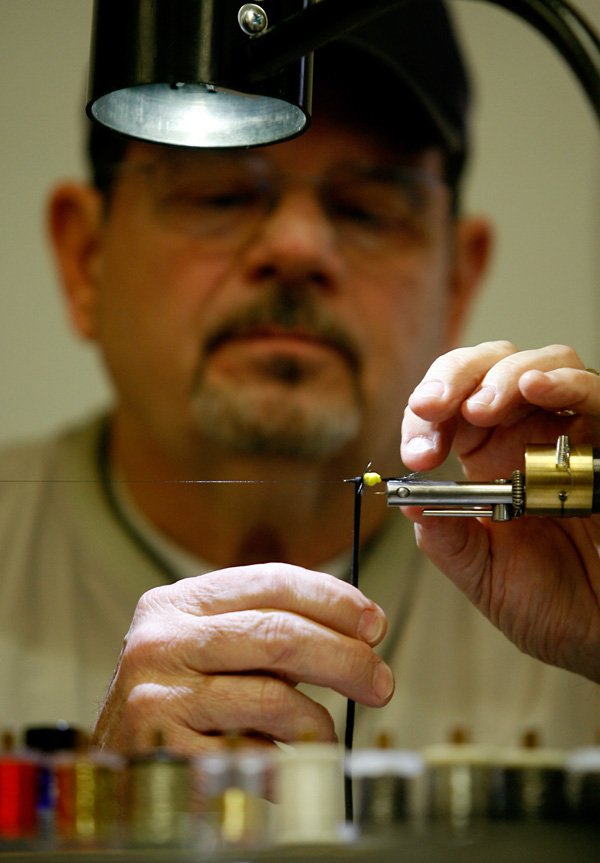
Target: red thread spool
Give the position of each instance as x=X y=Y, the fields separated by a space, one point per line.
x=18 y=797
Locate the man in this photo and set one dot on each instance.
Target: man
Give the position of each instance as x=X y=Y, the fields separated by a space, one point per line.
x=264 y=317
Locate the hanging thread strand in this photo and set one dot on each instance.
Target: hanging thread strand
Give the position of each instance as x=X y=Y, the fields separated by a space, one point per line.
x=354 y=579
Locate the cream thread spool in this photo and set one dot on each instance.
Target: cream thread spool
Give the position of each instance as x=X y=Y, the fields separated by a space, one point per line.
x=309 y=794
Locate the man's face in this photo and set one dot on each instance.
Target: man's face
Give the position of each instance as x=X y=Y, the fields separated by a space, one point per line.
x=281 y=301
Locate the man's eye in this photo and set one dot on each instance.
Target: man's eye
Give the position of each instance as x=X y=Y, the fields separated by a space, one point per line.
x=213 y=200
x=358 y=213
x=230 y=199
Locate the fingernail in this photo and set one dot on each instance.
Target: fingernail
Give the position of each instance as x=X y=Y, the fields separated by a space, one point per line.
x=371 y=626
x=419 y=444
x=383 y=682
x=430 y=389
x=484 y=396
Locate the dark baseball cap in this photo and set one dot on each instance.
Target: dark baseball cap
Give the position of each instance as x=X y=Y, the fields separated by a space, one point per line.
x=404 y=70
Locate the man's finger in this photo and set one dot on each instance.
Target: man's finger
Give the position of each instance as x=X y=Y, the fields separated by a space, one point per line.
x=272 y=641
x=315 y=595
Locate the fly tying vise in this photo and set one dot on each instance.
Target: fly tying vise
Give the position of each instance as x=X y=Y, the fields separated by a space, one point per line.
x=561 y=481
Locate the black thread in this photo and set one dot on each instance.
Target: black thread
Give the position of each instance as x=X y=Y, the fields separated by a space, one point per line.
x=351 y=706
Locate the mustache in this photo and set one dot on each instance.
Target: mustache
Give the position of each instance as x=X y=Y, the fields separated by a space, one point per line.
x=289 y=310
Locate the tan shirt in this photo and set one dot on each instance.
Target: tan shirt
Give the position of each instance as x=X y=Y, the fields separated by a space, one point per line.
x=70 y=577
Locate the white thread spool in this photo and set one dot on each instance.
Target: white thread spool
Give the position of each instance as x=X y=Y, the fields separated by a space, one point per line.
x=309 y=785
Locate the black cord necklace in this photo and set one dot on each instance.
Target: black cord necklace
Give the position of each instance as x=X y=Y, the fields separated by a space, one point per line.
x=115 y=506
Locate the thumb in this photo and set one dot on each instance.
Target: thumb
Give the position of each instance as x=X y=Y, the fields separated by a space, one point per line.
x=460 y=548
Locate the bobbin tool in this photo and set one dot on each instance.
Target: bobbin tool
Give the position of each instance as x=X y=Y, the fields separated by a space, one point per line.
x=561 y=481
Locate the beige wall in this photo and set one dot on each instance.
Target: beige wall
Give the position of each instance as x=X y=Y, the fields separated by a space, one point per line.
x=537 y=173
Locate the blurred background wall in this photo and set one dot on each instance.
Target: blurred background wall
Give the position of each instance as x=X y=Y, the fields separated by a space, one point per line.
x=536 y=172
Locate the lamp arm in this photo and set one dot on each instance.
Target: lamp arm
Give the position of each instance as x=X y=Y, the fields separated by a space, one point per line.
x=305 y=31
x=321 y=22
x=570 y=33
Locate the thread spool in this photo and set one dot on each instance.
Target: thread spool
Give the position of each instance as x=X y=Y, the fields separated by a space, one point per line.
x=309 y=794
x=18 y=793
x=46 y=741
x=583 y=771
x=459 y=781
x=529 y=783
x=159 y=799
x=233 y=784
x=87 y=797
x=388 y=789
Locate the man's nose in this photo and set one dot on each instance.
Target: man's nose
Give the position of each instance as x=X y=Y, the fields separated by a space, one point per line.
x=296 y=242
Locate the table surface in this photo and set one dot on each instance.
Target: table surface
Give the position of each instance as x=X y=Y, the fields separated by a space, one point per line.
x=491 y=843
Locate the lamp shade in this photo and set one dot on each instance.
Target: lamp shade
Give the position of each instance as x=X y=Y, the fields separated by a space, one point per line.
x=171 y=72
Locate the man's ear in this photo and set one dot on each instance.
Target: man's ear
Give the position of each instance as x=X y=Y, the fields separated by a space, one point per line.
x=473 y=246
x=75 y=227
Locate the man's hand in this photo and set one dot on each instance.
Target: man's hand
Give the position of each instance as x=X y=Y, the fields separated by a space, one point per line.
x=222 y=652
x=536 y=579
